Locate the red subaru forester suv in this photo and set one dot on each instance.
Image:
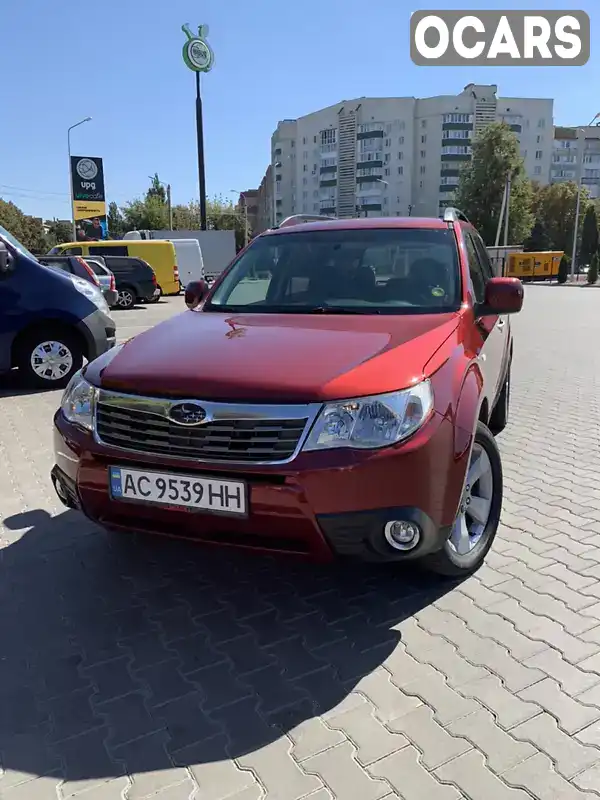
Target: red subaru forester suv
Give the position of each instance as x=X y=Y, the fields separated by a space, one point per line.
x=335 y=393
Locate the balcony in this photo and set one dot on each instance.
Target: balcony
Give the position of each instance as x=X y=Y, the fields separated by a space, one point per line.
x=328 y=182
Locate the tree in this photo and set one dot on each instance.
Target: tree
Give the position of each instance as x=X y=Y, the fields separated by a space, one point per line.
x=150 y=214
x=563 y=269
x=538 y=240
x=186 y=218
x=224 y=216
x=28 y=230
x=58 y=233
x=482 y=181
x=116 y=223
x=592 y=275
x=554 y=206
x=156 y=189
x=589 y=235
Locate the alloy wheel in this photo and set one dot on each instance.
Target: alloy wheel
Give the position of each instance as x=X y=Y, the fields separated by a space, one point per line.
x=476 y=503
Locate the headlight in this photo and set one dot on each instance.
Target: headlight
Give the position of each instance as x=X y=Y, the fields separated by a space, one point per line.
x=92 y=292
x=371 y=422
x=77 y=402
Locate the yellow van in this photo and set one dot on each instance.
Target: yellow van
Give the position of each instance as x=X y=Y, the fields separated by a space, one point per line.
x=158 y=253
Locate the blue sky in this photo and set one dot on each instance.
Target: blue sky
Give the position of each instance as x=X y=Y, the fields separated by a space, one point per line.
x=119 y=61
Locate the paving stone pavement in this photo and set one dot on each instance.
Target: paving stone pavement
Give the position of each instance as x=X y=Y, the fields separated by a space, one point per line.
x=136 y=668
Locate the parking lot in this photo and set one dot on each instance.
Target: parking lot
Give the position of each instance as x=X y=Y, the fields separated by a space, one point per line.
x=139 y=667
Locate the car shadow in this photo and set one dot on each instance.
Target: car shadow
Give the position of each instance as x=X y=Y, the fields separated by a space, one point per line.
x=134 y=654
x=12 y=384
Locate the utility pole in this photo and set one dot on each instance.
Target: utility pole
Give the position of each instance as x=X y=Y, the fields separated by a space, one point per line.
x=507 y=213
x=169 y=206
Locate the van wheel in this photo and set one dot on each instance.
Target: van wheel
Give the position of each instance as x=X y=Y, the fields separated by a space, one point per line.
x=478 y=514
x=157 y=298
x=49 y=359
x=126 y=298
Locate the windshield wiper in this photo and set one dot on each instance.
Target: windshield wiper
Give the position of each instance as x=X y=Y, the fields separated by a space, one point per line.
x=340 y=310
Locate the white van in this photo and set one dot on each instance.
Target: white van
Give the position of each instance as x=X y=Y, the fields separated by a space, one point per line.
x=188 y=252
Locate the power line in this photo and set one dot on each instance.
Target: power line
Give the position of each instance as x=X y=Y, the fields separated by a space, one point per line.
x=36 y=191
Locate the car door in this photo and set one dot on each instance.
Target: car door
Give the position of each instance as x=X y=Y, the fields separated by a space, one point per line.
x=502 y=327
x=491 y=328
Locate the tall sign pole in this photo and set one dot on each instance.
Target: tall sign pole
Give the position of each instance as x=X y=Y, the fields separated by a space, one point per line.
x=199 y=57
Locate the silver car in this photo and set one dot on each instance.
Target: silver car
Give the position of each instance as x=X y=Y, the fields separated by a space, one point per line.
x=105 y=278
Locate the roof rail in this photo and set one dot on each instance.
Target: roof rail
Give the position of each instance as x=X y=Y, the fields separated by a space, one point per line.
x=454 y=215
x=298 y=219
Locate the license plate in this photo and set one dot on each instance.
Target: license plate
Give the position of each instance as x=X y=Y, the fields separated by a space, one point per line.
x=183 y=491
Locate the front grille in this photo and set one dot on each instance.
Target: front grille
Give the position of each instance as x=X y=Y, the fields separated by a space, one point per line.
x=233 y=440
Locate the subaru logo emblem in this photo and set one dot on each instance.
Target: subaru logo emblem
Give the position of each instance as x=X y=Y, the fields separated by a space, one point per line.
x=187 y=413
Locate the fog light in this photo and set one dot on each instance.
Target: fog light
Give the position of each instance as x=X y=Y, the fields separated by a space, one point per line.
x=402 y=535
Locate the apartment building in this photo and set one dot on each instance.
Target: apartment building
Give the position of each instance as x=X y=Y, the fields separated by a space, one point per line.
x=576 y=156
x=394 y=156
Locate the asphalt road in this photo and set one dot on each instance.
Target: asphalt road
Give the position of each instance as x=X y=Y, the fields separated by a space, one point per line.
x=136 y=667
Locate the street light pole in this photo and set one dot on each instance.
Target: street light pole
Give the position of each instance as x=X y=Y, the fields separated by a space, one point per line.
x=169 y=204
x=77 y=124
x=578 y=206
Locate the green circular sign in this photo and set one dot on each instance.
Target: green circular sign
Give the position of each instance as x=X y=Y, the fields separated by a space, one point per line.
x=197 y=53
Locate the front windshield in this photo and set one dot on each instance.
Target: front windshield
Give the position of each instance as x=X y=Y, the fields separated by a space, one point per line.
x=16 y=243
x=361 y=271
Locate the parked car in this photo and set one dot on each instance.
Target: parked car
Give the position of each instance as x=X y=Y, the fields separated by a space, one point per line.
x=50 y=319
x=135 y=280
x=75 y=265
x=160 y=255
x=105 y=278
x=346 y=406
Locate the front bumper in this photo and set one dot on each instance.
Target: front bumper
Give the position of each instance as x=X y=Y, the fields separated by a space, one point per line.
x=320 y=505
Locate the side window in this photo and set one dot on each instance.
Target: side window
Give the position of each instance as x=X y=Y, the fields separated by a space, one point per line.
x=484 y=257
x=73 y=251
x=108 y=251
x=478 y=278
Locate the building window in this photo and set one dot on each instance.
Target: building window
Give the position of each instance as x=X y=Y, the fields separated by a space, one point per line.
x=386 y=158
x=541 y=123
x=423 y=139
x=304 y=168
x=423 y=153
x=305 y=155
x=538 y=155
x=420 y=184
x=422 y=169
x=304 y=195
x=539 y=139
x=388 y=143
x=456 y=134
x=293 y=143
x=400 y=170
x=455 y=118
x=537 y=171
x=400 y=156
x=329 y=136
x=386 y=171
x=401 y=140
x=423 y=123
x=402 y=125
x=304 y=181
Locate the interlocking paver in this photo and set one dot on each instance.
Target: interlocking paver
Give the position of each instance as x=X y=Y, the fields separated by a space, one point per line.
x=172 y=672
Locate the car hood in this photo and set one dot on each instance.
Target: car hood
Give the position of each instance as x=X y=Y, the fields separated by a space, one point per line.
x=275 y=357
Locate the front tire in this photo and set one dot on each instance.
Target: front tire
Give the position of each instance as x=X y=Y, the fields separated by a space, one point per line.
x=478 y=515
x=48 y=359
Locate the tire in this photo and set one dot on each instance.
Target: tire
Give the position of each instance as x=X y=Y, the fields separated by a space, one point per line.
x=126 y=298
x=500 y=414
x=448 y=561
x=66 y=347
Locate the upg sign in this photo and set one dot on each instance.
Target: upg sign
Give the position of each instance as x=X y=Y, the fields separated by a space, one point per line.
x=500 y=38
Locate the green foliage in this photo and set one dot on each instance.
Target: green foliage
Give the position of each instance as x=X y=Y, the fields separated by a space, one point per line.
x=589 y=235
x=481 y=185
x=563 y=269
x=28 y=230
x=149 y=214
x=59 y=233
x=555 y=207
x=156 y=189
x=115 y=221
x=592 y=275
x=186 y=218
x=538 y=241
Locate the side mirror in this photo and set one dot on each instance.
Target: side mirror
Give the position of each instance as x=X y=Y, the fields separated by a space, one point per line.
x=4 y=258
x=195 y=293
x=502 y=296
